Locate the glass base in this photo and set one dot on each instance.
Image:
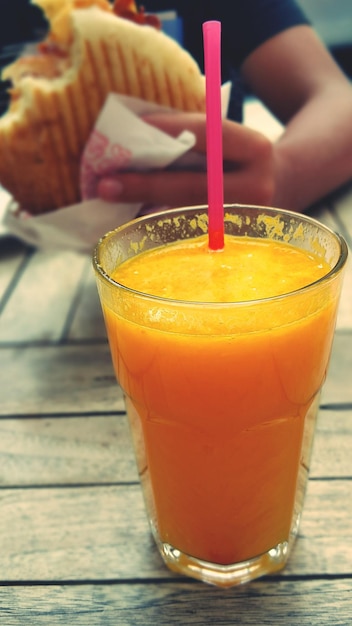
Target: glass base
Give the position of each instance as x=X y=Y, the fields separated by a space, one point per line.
x=225 y=575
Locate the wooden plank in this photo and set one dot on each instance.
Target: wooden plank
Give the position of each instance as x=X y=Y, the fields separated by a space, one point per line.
x=40 y=306
x=76 y=533
x=264 y=603
x=98 y=449
x=337 y=388
x=101 y=533
x=88 y=320
x=12 y=255
x=331 y=456
x=58 y=379
x=49 y=451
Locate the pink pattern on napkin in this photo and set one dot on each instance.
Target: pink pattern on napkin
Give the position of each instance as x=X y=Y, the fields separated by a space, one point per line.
x=100 y=158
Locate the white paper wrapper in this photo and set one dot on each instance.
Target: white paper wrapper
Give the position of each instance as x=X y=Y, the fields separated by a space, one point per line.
x=120 y=140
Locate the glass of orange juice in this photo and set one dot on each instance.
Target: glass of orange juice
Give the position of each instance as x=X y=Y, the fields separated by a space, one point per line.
x=221 y=356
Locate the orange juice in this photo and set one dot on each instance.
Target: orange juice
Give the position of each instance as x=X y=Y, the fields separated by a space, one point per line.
x=222 y=355
x=222 y=413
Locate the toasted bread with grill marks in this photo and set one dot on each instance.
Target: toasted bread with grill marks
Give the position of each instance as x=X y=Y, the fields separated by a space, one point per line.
x=58 y=93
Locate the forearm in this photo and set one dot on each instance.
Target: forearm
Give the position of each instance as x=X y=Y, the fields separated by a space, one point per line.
x=298 y=80
x=314 y=155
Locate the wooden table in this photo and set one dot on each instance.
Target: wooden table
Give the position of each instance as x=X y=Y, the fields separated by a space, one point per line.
x=75 y=547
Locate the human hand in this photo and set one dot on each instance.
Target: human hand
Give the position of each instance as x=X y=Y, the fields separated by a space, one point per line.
x=248 y=169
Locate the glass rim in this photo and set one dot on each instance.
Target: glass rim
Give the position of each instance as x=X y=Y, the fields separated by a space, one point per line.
x=204 y=207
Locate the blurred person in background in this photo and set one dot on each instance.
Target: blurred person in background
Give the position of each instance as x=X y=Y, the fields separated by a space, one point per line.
x=269 y=49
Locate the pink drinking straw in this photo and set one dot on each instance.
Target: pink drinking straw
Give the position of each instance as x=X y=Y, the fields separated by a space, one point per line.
x=212 y=67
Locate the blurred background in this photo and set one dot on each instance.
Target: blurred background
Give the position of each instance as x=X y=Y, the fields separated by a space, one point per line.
x=21 y=22
x=332 y=19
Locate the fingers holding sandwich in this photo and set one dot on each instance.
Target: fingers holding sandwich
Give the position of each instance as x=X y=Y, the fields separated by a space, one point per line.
x=248 y=168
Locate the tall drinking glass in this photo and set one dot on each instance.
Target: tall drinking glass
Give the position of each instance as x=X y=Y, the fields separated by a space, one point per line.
x=222 y=395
